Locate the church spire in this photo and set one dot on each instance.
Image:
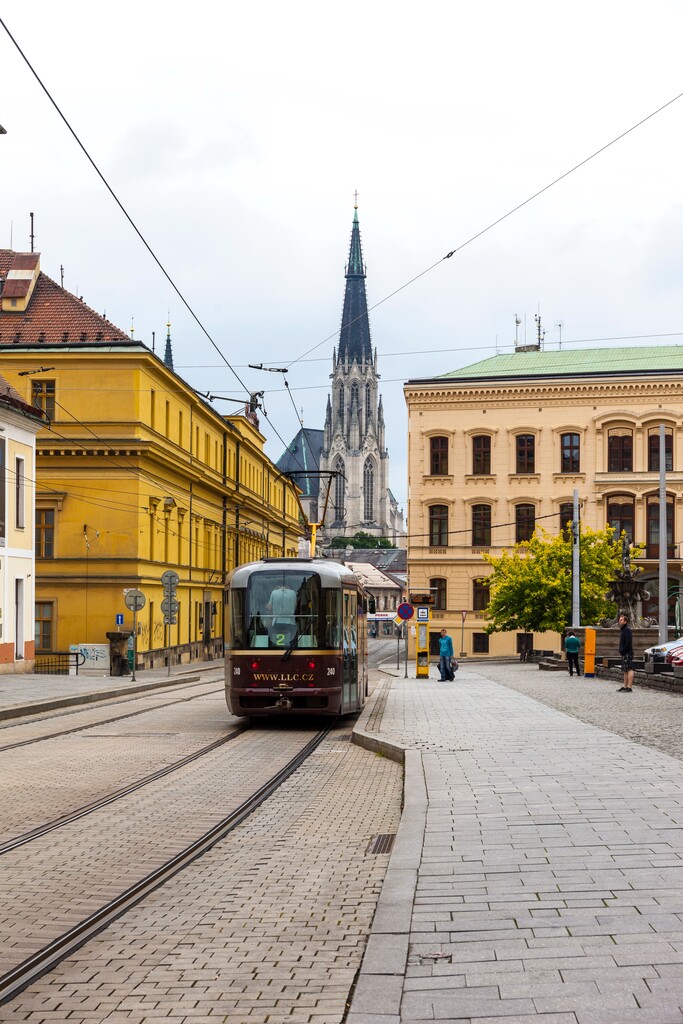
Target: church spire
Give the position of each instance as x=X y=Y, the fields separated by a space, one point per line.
x=354 y=336
x=168 y=354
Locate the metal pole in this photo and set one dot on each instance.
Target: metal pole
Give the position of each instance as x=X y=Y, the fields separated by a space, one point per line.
x=576 y=570
x=663 y=576
x=168 y=648
x=398 y=648
x=405 y=637
x=135 y=638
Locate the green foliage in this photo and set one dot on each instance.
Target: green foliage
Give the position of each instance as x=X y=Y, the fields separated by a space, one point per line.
x=361 y=540
x=531 y=586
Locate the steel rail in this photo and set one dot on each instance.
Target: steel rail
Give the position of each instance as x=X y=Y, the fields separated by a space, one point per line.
x=110 y=798
x=108 y=721
x=39 y=963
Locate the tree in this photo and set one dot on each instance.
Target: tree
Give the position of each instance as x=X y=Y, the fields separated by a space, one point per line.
x=361 y=540
x=531 y=586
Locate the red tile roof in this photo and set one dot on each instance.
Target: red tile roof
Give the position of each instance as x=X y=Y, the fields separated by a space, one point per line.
x=53 y=315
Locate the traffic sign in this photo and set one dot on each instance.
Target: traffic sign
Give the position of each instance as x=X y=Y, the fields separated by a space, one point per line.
x=423 y=613
x=398 y=621
x=169 y=606
x=119 y=619
x=170 y=579
x=405 y=611
x=135 y=600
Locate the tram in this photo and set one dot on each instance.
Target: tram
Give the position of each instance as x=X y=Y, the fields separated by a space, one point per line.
x=296 y=638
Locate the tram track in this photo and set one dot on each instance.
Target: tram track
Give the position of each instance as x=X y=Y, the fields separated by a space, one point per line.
x=104 y=721
x=110 y=798
x=48 y=956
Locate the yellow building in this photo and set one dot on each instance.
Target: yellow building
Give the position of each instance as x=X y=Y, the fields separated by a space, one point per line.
x=136 y=474
x=497 y=449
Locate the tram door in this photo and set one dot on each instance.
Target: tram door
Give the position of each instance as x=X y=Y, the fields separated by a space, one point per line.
x=350 y=650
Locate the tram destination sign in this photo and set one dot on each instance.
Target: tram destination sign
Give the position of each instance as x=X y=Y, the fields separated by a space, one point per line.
x=422 y=598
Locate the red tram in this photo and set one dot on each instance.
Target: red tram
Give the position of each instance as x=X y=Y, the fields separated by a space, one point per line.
x=296 y=638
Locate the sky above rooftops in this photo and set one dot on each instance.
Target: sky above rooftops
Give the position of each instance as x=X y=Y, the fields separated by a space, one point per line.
x=236 y=138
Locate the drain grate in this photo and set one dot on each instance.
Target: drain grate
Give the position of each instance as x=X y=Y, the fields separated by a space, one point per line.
x=383 y=843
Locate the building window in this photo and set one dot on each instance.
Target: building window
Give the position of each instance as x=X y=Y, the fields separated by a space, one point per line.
x=566 y=519
x=526 y=453
x=620 y=516
x=437 y=587
x=481 y=526
x=45 y=533
x=339 y=509
x=653 y=529
x=369 y=491
x=569 y=459
x=438 y=526
x=44 y=631
x=43 y=396
x=525 y=522
x=653 y=451
x=20 y=494
x=481 y=455
x=341 y=406
x=480 y=595
x=438 y=456
x=368 y=405
x=620 y=451
x=480 y=643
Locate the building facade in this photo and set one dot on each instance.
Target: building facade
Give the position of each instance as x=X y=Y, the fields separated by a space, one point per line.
x=19 y=424
x=135 y=474
x=496 y=450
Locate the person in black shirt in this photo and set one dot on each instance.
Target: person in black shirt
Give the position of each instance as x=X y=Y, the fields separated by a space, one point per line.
x=626 y=652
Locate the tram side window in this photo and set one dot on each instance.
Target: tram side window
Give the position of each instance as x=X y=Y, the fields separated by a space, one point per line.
x=332 y=600
x=236 y=619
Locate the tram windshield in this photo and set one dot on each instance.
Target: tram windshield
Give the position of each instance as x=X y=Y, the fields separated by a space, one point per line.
x=287 y=609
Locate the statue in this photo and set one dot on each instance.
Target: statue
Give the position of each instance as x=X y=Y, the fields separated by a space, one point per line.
x=627 y=591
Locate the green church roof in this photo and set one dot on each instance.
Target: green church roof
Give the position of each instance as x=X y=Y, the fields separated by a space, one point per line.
x=646 y=359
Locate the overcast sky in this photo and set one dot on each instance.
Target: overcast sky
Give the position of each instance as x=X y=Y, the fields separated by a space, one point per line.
x=235 y=135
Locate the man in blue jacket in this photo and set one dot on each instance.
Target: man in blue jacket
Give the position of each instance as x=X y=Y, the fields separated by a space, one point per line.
x=445 y=655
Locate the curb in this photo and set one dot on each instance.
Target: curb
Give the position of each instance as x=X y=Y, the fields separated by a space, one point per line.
x=379 y=985
x=37 y=707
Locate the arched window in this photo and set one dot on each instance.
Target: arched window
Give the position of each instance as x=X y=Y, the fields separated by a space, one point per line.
x=566 y=519
x=438 y=456
x=368 y=403
x=620 y=450
x=526 y=453
x=653 y=450
x=570 y=453
x=481 y=526
x=480 y=595
x=354 y=395
x=341 y=406
x=525 y=522
x=437 y=587
x=369 y=491
x=653 y=528
x=339 y=490
x=438 y=526
x=481 y=455
x=620 y=516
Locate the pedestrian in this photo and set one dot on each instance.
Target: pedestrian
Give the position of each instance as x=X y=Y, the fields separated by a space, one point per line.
x=445 y=655
x=626 y=652
x=571 y=646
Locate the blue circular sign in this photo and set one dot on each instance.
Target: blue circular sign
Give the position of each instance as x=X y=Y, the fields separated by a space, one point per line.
x=405 y=611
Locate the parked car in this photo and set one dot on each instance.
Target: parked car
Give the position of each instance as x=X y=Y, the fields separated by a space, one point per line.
x=658 y=653
x=677 y=658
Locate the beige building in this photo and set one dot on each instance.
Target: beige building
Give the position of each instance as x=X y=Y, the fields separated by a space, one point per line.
x=496 y=449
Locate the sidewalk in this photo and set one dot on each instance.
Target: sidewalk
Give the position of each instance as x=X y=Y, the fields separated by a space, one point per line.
x=537 y=874
x=23 y=694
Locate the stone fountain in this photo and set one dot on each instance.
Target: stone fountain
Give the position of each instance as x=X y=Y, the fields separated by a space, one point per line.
x=628 y=592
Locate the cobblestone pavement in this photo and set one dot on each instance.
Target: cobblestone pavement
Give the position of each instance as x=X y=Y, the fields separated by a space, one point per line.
x=60 y=878
x=269 y=926
x=548 y=887
x=69 y=771
x=652 y=717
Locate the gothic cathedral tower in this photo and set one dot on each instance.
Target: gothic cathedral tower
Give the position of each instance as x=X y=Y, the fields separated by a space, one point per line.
x=353 y=440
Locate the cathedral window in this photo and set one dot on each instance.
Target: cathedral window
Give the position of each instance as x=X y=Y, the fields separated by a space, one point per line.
x=368 y=491
x=368 y=403
x=341 y=405
x=339 y=509
x=354 y=395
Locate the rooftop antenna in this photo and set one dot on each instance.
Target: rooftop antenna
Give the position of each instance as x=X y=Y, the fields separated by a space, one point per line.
x=61 y=273
x=559 y=324
x=539 y=330
x=132 y=326
x=32 y=235
x=517 y=326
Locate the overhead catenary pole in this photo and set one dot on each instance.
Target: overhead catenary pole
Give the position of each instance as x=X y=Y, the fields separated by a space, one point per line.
x=576 y=567
x=663 y=575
